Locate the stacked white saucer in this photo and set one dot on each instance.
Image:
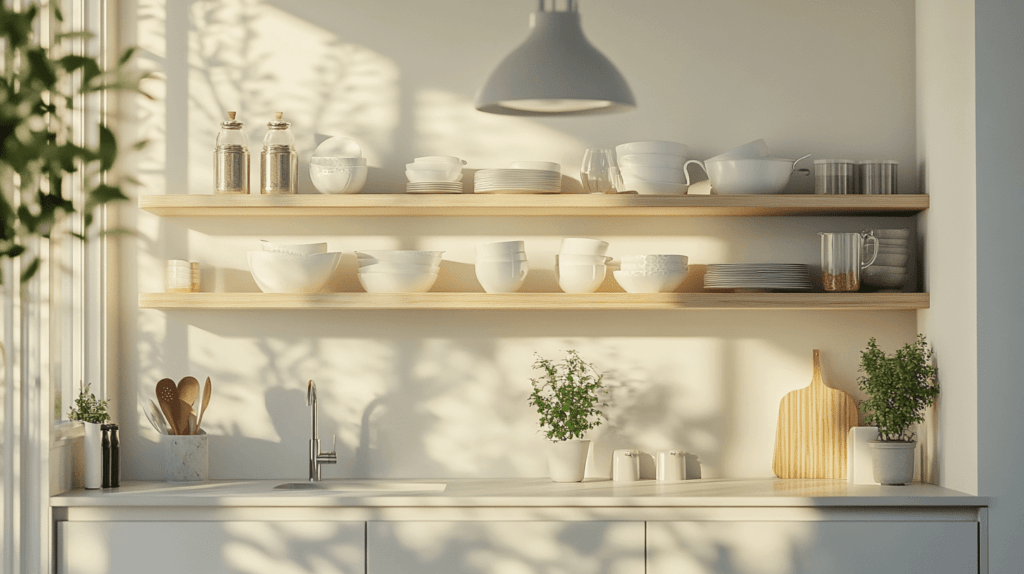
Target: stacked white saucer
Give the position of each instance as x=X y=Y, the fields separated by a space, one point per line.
x=889 y=271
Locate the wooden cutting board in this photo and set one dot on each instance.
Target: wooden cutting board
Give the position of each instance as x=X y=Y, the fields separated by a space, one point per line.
x=810 y=441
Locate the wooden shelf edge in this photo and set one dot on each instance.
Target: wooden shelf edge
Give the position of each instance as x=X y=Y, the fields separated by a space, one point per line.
x=537 y=301
x=571 y=205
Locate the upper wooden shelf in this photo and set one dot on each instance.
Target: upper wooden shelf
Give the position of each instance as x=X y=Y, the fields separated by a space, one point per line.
x=402 y=205
x=545 y=301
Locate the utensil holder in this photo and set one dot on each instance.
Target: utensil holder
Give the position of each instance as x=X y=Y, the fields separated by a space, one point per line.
x=186 y=457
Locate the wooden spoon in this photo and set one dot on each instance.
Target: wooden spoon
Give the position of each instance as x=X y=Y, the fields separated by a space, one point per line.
x=207 y=391
x=167 y=394
x=188 y=390
x=184 y=412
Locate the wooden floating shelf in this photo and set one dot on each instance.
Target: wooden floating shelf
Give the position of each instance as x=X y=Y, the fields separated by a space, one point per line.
x=537 y=301
x=402 y=205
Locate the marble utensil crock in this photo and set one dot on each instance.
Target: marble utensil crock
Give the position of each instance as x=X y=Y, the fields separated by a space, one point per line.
x=186 y=457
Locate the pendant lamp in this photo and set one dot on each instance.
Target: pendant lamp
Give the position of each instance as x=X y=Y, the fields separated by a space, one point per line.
x=555 y=72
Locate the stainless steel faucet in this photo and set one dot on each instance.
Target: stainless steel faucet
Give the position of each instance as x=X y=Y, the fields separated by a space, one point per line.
x=316 y=458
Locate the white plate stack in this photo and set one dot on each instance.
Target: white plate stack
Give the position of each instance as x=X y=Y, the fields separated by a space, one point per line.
x=889 y=271
x=524 y=179
x=434 y=174
x=758 y=276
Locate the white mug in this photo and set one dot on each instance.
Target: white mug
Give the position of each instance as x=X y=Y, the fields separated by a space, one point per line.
x=626 y=465
x=671 y=465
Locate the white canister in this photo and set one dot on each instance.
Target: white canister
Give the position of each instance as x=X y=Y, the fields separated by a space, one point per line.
x=626 y=465
x=93 y=464
x=671 y=465
x=186 y=457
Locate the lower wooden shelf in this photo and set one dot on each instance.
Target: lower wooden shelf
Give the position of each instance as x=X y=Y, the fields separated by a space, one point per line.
x=545 y=301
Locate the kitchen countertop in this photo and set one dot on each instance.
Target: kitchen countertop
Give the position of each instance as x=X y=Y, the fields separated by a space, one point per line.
x=518 y=492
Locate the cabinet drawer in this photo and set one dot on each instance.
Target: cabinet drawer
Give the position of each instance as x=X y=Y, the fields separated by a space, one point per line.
x=210 y=547
x=505 y=547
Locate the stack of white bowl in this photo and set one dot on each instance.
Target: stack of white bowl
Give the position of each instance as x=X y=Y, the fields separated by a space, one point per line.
x=295 y=268
x=338 y=166
x=652 y=273
x=395 y=271
x=434 y=174
x=501 y=267
x=581 y=264
x=652 y=167
x=181 y=276
x=889 y=271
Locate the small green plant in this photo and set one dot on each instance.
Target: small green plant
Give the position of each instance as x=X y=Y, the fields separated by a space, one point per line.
x=566 y=396
x=88 y=408
x=899 y=388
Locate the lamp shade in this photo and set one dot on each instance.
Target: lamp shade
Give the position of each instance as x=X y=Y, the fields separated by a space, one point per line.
x=555 y=72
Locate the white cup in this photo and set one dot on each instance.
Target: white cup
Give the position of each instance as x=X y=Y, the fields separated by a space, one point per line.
x=501 y=276
x=671 y=465
x=626 y=465
x=500 y=248
x=583 y=246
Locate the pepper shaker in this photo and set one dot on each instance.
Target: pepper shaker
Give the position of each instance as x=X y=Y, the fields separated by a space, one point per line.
x=105 y=429
x=231 y=158
x=115 y=457
x=279 y=163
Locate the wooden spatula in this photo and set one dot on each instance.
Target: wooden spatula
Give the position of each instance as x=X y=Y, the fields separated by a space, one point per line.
x=207 y=391
x=810 y=441
x=167 y=395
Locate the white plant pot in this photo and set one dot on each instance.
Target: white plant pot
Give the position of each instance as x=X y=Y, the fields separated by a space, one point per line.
x=892 y=463
x=567 y=460
x=186 y=457
x=93 y=452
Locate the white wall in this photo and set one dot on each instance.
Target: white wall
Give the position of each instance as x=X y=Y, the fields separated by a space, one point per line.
x=444 y=393
x=946 y=153
x=1000 y=137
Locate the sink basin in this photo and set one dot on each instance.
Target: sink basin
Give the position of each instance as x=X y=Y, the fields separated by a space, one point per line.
x=363 y=486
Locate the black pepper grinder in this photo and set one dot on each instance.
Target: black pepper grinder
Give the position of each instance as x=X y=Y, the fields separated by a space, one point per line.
x=105 y=429
x=111 y=444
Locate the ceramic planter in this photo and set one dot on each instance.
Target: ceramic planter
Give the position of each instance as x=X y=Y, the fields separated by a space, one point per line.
x=567 y=460
x=893 y=462
x=92 y=466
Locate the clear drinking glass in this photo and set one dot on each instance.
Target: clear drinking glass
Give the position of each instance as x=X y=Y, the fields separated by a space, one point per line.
x=596 y=173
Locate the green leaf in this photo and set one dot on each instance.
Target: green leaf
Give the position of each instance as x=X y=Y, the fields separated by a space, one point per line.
x=30 y=271
x=126 y=55
x=74 y=36
x=108 y=148
x=103 y=194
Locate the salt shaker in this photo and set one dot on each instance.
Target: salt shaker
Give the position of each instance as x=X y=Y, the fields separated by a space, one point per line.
x=279 y=163
x=231 y=158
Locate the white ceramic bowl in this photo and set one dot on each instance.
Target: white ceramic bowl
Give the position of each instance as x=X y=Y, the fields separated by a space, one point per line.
x=655 y=260
x=452 y=169
x=338 y=179
x=289 y=273
x=749 y=176
x=501 y=258
x=580 y=278
x=337 y=161
x=400 y=256
x=338 y=146
x=574 y=259
x=653 y=174
x=392 y=267
x=668 y=148
x=750 y=150
x=397 y=282
x=644 y=187
x=541 y=165
x=501 y=276
x=430 y=175
x=295 y=248
x=652 y=160
x=500 y=248
x=439 y=159
x=583 y=246
x=643 y=282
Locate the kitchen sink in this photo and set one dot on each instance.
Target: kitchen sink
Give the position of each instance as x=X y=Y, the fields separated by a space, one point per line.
x=369 y=486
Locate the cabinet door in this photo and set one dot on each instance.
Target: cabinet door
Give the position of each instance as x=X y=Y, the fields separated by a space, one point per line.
x=505 y=547
x=210 y=547
x=799 y=547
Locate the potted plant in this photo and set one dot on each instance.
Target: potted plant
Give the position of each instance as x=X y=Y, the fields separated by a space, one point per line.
x=899 y=388
x=92 y=412
x=566 y=397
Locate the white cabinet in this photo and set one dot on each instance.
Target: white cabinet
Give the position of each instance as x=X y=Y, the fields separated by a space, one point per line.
x=179 y=547
x=496 y=547
x=840 y=547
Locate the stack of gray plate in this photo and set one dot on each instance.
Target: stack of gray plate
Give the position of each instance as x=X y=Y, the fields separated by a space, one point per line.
x=889 y=271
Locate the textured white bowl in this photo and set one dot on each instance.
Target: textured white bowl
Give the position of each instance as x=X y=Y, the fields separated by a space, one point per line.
x=338 y=161
x=501 y=276
x=749 y=150
x=338 y=179
x=402 y=256
x=652 y=160
x=643 y=282
x=397 y=282
x=289 y=273
x=655 y=260
x=294 y=248
x=653 y=174
x=500 y=248
x=583 y=246
x=392 y=267
x=644 y=187
x=668 y=148
x=580 y=278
